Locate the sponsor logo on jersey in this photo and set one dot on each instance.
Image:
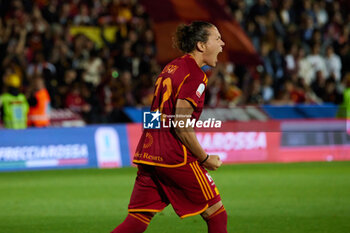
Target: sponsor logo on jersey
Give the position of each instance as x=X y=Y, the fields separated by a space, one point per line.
x=200 y=90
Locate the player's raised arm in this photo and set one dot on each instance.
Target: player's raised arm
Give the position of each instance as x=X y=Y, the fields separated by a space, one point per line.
x=188 y=137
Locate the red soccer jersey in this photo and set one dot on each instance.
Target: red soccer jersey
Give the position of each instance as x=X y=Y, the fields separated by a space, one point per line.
x=180 y=79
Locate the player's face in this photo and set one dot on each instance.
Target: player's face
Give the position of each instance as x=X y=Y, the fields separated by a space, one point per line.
x=213 y=47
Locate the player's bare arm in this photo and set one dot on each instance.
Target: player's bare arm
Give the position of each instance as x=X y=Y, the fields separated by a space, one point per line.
x=188 y=137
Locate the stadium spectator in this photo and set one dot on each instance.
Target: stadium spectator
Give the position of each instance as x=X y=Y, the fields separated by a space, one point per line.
x=286 y=13
x=308 y=28
x=145 y=88
x=222 y=89
x=260 y=8
x=265 y=53
x=75 y=101
x=319 y=8
x=277 y=59
x=275 y=24
x=215 y=90
x=256 y=96
x=318 y=85
x=290 y=93
x=317 y=62
x=291 y=60
x=267 y=91
x=93 y=69
x=38 y=65
x=83 y=18
x=333 y=64
x=331 y=94
x=69 y=77
x=305 y=69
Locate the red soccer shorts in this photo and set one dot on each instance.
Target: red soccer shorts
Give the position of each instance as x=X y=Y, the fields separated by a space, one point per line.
x=189 y=189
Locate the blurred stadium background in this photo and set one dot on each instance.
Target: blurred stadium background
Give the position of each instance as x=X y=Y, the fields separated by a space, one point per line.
x=81 y=72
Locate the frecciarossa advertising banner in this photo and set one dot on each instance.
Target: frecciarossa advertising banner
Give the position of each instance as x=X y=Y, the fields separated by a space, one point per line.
x=50 y=148
x=231 y=146
x=270 y=141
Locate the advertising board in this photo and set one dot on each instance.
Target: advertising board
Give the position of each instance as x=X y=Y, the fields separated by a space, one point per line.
x=92 y=146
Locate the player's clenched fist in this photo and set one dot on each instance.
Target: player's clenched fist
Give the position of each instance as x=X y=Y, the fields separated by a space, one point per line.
x=213 y=162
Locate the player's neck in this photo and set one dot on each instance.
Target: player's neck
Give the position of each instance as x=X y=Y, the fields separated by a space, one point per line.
x=198 y=58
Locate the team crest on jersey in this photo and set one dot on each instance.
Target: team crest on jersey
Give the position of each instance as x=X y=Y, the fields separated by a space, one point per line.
x=200 y=90
x=170 y=69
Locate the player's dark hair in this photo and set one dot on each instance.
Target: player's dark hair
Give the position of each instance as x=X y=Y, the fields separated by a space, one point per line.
x=187 y=36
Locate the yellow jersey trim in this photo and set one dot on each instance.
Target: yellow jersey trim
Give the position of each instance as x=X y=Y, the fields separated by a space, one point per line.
x=200 y=183
x=144 y=210
x=196 y=213
x=202 y=180
x=219 y=211
x=192 y=101
x=179 y=88
x=138 y=218
x=142 y=216
x=205 y=181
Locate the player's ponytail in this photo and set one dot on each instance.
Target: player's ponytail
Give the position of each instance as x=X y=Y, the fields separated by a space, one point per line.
x=187 y=36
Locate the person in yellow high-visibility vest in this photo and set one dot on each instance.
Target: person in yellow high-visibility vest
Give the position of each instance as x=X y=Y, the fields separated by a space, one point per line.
x=346 y=98
x=14 y=104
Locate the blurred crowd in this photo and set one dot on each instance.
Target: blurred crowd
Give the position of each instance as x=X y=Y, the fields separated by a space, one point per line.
x=303 y=44
x=305 y=52
x=37 y=43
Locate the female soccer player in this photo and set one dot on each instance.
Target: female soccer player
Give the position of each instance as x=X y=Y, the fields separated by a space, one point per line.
x=171 y=162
